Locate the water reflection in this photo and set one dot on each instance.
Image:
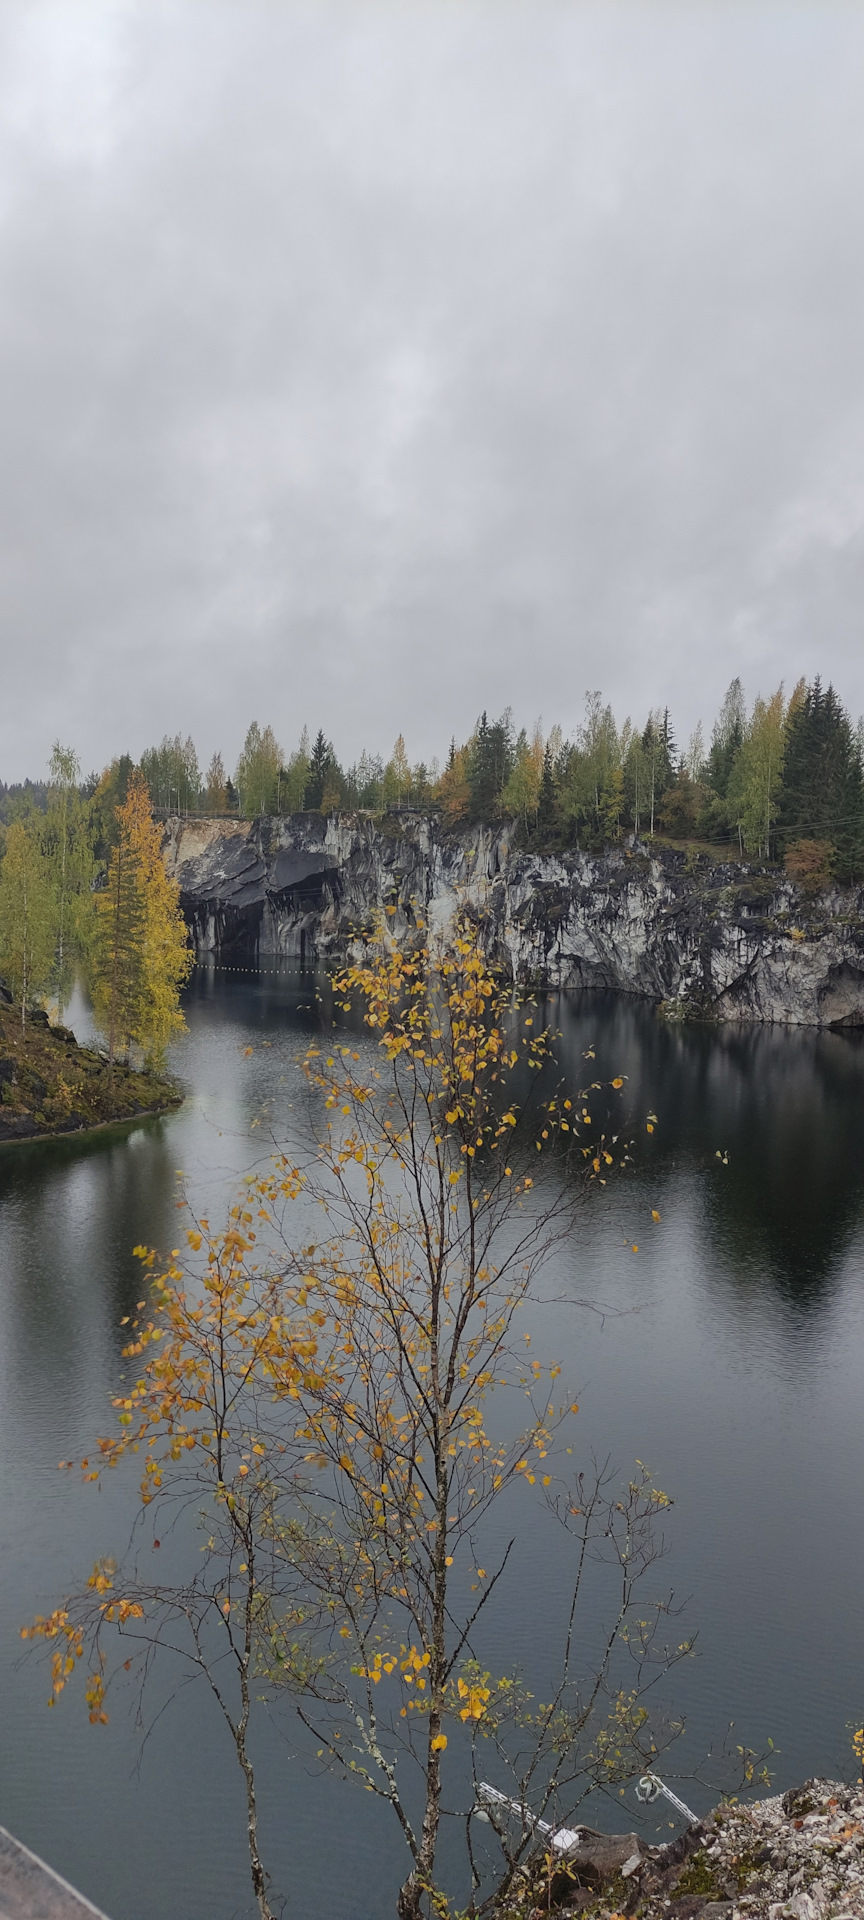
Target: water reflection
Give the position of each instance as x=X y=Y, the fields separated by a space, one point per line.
x=781 y=1107
x=730 y=1359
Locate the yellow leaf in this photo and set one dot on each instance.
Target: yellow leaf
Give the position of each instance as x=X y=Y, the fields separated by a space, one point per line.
x=654 y=1214
x=439 y=1743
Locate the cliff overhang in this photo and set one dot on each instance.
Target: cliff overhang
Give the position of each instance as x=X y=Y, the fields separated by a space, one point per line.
x=698 y=937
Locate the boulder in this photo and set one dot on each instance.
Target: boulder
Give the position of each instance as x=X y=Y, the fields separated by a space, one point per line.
x=17 y=1126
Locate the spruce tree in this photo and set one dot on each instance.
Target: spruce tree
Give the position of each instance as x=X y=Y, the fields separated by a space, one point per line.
x=321 y=761
x=490 y=763
x=823 y=791
x=726 y=739
x=547 y=805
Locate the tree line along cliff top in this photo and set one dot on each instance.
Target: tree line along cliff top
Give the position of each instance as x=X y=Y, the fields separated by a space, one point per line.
x=784 y=774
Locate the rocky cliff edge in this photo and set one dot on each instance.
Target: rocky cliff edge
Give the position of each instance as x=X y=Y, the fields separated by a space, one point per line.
x=796 y=1858
x=707 y=938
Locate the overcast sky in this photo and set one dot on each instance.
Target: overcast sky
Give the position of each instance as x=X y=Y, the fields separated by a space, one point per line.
x=369 y=365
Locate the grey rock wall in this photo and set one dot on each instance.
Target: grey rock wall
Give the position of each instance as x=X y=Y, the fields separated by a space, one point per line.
x=725 y=940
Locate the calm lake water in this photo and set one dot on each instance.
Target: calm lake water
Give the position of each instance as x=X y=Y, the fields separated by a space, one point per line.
x=730 y=1357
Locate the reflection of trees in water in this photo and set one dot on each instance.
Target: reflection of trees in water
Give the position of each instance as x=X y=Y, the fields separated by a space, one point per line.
x=783 y=1103
x=273 y=1014
x=274 y=996
x=71 y=1212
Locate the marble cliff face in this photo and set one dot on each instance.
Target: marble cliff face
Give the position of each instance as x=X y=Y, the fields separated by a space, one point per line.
x=701 y=937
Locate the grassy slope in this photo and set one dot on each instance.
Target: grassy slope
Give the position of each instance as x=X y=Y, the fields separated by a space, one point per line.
x=48 y=1084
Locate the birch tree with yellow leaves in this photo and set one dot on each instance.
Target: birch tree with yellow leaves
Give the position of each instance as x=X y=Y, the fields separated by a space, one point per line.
x=336 y=1381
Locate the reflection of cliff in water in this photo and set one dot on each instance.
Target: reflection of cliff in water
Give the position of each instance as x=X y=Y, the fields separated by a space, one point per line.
x=282 y=1008
x=783 y=1106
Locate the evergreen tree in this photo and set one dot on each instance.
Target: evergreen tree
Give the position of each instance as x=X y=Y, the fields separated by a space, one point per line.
x=668 y=739
x=108 y=795
x=322 y=764
x=823 y=789
x=726 y=739
x=681 y=806
x=657 y=763
x=547 y=803
x=490 y=762
x=141 y=953
x=423 y=779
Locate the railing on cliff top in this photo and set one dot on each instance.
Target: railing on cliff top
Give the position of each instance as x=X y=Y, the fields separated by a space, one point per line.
x=432 y=812
x=31 y=1891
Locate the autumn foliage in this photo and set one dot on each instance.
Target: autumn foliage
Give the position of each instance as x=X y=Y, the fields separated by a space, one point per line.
x=141 y=951
x=324 y=1378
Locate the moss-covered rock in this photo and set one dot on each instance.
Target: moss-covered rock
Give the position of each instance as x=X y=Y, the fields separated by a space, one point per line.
x=50 y=1085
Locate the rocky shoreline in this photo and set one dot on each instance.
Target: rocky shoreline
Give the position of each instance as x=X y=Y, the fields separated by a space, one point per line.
x=51 y=1086
x=795 y=1857
x=698 y=936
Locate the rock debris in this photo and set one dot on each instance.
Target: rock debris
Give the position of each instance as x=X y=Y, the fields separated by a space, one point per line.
x=799 y=1856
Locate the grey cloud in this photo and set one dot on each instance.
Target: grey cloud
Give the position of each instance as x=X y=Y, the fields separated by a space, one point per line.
x=369 y=366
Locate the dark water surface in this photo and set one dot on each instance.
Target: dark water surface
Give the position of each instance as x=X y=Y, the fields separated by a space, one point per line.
x=731 y=1358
